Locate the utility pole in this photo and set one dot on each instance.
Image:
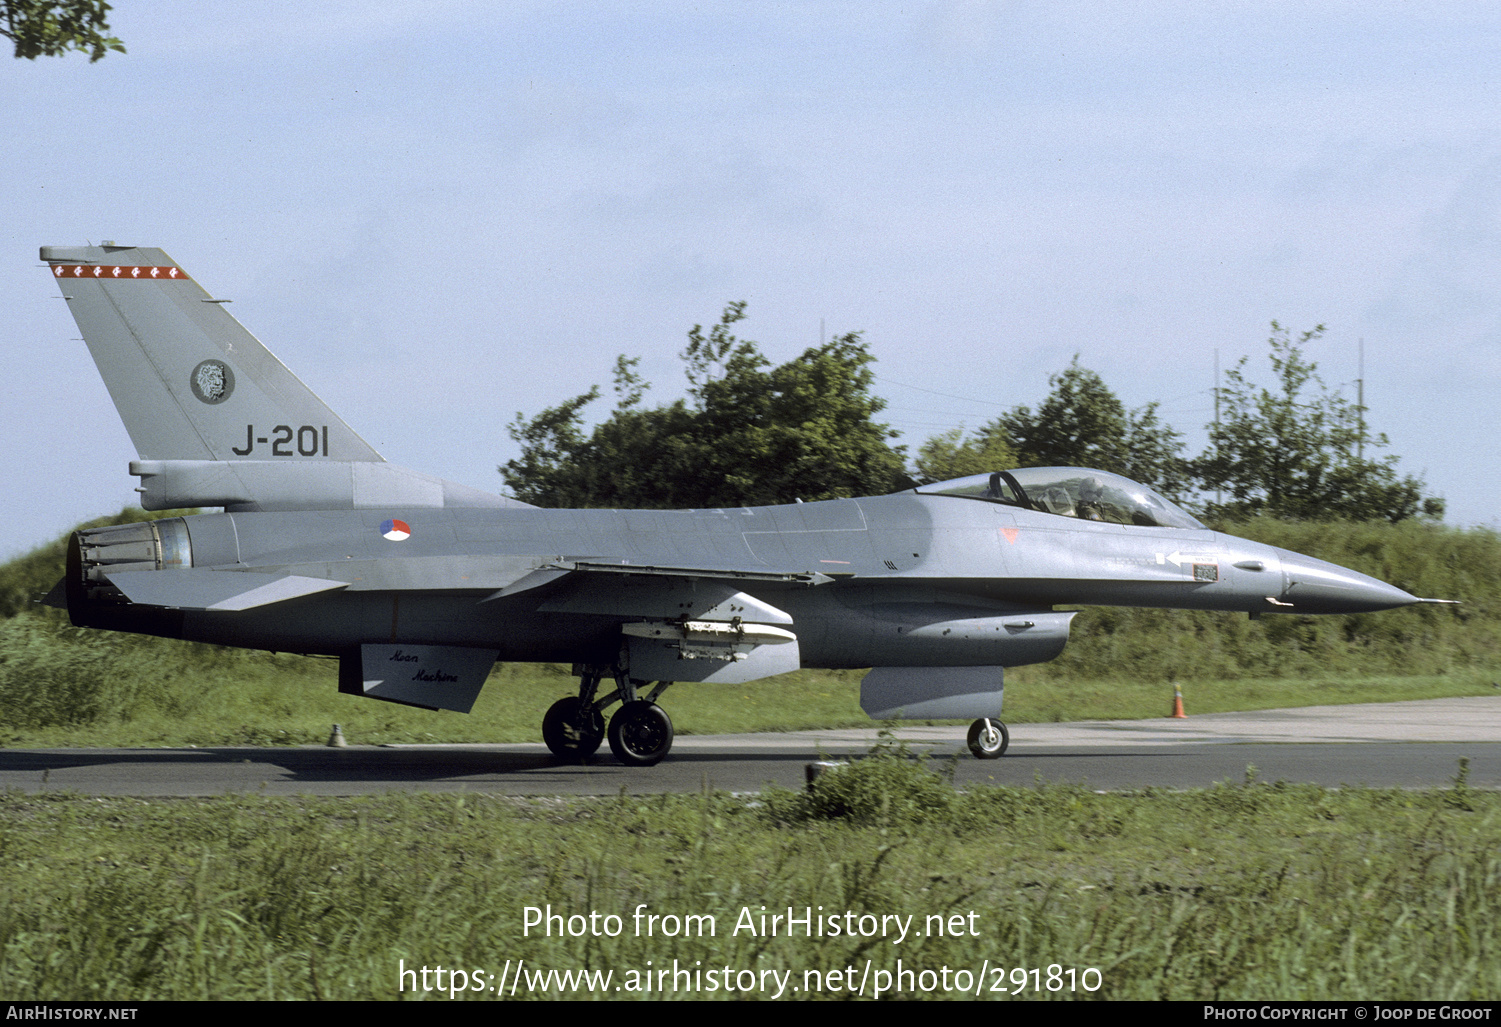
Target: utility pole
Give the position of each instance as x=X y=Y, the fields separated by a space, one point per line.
x=1216 y=414
x=1360 y=400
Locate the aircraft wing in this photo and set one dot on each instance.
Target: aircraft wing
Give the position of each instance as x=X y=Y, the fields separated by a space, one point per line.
x=562 y=568
x=618 y=587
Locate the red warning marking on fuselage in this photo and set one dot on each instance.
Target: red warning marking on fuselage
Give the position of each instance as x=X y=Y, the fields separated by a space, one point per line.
x=1011 y=534
x=117 y=272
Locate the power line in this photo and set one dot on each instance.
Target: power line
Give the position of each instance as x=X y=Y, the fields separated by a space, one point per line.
x=935 y=392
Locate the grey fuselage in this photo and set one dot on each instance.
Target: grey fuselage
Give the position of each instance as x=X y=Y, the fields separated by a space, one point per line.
x=900 y=580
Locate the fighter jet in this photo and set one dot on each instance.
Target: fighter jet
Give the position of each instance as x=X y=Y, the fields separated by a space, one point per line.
x=418 y=585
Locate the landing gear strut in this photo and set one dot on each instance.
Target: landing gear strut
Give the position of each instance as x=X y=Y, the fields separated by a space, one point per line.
x=988 y=739
x=640 y=732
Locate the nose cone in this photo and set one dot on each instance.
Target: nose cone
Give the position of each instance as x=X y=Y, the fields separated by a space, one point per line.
x=1314 y=586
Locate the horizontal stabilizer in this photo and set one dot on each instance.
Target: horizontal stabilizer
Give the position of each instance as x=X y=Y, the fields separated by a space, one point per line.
x=201 y=589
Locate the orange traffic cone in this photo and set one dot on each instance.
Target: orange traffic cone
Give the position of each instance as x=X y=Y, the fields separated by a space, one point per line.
x=1178 y=705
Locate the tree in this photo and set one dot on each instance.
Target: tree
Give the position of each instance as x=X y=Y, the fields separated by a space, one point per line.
x=1298 y=450
x=51 y=28
x=755 y=434
x=548 y=444
x=1083 y=424
x=951 y=455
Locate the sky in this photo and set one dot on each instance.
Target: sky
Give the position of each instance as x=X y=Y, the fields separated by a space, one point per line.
x=441 y=215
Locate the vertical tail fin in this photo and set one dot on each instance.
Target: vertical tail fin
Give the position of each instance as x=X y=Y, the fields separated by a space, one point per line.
x=217 y=420
x=188 y=380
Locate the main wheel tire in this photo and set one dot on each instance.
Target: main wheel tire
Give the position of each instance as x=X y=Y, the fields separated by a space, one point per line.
x=569 y=735
x=640 y=734
x=988 y=739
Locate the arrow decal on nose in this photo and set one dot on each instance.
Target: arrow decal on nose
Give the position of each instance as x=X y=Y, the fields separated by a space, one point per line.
x=1178 y=558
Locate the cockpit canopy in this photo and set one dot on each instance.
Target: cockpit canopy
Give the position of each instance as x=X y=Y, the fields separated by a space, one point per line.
x=1079 y=492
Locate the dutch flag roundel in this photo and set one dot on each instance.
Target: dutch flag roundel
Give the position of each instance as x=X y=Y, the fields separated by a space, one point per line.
x=395 y=530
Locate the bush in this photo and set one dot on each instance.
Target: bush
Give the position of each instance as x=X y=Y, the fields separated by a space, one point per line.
x=51 y=678
x=887 y=786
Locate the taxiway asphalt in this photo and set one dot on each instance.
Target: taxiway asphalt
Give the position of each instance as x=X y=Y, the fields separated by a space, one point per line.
x=1403 y=745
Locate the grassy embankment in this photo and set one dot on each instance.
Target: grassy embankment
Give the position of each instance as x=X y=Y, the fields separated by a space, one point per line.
x=64 y=686
x=1348 y=894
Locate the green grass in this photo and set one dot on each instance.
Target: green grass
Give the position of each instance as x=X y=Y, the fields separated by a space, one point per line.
x=1242 y=891
x=1034 y=697
x=257 y=699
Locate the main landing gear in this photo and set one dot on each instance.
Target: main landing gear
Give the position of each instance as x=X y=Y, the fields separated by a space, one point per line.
x=573 y=730
x=988 y=739
x=640 y=731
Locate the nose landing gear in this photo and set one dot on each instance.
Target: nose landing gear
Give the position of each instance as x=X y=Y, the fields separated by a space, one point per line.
x=988 y=739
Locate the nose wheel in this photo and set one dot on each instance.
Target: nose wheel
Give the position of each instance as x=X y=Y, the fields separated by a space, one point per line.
x=988 y=739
